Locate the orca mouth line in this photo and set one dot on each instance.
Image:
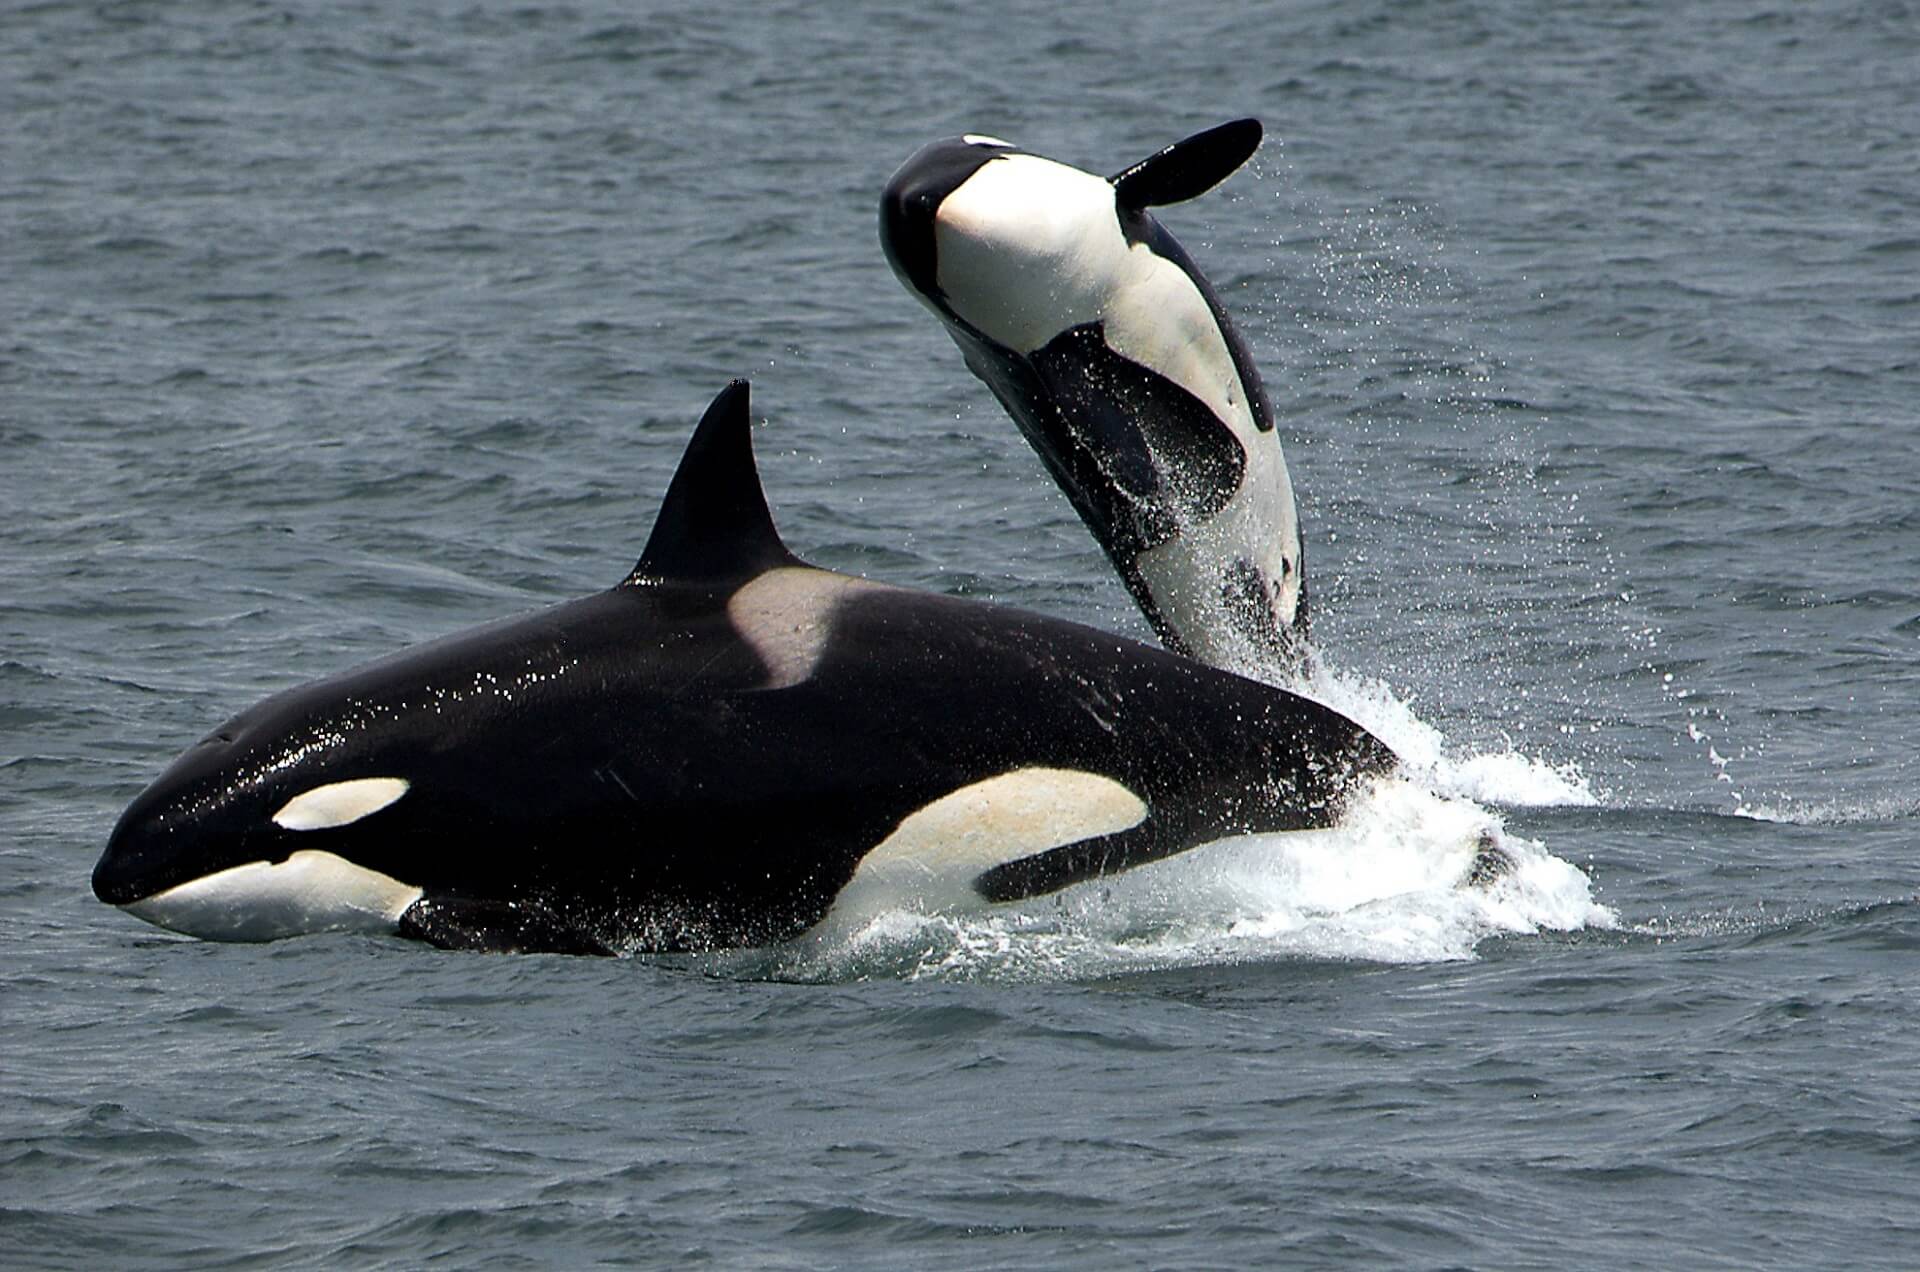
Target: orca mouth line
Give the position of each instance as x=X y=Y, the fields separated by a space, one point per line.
x=143 y=860
x=121 y=880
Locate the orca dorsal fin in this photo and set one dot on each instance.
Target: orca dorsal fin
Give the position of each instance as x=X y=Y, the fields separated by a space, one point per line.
x=1187 y=169
x=714 y=524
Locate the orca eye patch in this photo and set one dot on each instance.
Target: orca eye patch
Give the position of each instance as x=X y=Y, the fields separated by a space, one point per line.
x=339 y=803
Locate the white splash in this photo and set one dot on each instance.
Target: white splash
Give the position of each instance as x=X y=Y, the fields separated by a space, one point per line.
x=1388 y=884
x=1506 y=777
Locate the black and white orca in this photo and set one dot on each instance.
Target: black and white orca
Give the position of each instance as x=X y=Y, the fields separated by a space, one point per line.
x=709 y=753
x=1112 y=353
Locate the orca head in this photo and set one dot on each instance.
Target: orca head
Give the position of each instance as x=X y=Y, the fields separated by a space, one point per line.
x=1003 y=244
x=1018 y=248
x=910 y=206
x=281 y=822
x=320 y=808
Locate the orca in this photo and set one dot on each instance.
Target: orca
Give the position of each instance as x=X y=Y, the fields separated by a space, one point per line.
x=709 y=753
x=1112 y=352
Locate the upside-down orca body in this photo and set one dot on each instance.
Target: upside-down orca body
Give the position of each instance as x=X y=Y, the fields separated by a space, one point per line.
x=1108 y=347
x=709 y=753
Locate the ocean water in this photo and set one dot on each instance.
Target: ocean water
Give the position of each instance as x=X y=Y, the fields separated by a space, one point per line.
x=1594 y=334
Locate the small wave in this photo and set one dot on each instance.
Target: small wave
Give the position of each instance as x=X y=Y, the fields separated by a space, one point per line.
x=1831 y=812
x=1883 y=923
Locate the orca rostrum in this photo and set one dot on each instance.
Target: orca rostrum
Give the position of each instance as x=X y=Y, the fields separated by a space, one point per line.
x=1113 y=354
x=709 y=753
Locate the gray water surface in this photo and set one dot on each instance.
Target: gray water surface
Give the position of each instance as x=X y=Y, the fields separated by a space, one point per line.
x=1594 y=333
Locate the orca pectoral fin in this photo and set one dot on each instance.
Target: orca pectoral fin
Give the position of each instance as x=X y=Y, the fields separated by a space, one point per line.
x=1095 y=453
x=1050 y=871
x=1082 y=379
x=1189 y=168
x=495 y=927
x=1151 y=438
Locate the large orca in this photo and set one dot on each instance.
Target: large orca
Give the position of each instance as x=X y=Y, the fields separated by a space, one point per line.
x=708 y=753
x=1110 y=350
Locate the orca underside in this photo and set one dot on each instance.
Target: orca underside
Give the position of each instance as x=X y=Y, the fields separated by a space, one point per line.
x=707 y=754
x=1111 y=351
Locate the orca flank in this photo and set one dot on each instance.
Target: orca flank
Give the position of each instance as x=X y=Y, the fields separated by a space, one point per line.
x=708 y=753
x=1111 y=351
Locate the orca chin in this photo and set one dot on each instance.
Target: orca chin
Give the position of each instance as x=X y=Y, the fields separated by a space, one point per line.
x=1114 y=356
x=710 y=753
x=311 y=891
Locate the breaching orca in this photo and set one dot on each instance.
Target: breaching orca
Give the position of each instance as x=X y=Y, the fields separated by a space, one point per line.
x=1112 y=353
x=708 y=753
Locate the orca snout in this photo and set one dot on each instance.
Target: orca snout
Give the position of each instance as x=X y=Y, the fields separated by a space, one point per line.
x=225 y=866
x=149 y=847
x=142 y=857
x=152 y=848
x=907 y=209
x=911 y=203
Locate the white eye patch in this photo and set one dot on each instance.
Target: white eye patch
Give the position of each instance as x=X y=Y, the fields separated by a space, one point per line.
x=339 y=803
x=981 y=139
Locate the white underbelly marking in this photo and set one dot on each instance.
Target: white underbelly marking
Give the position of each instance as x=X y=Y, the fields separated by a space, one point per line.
x=936 y=852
